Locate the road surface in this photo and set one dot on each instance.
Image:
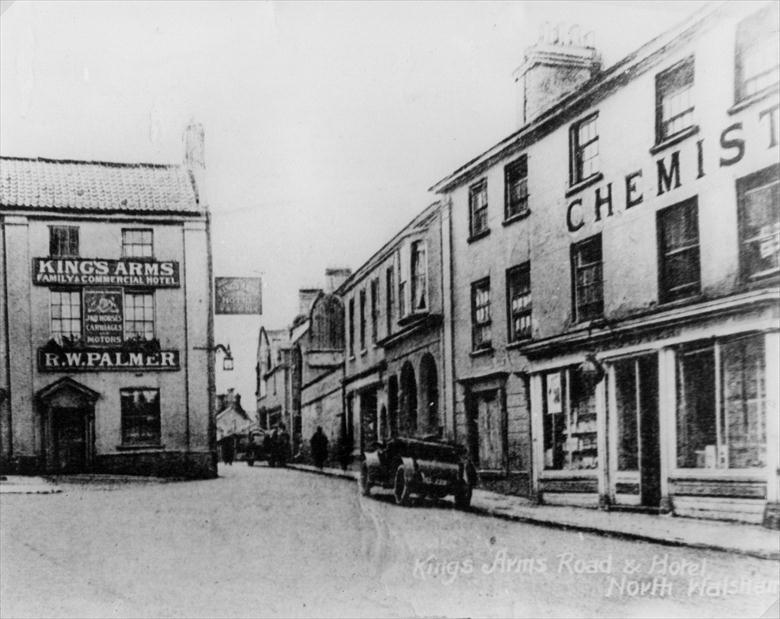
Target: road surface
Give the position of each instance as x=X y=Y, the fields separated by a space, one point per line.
x=260 y=542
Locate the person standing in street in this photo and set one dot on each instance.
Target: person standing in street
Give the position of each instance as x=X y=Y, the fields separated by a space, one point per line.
x=319 y=447
x=283 y=445
x=228 y=451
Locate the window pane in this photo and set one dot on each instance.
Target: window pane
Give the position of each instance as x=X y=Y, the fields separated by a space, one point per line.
x=744 y=405
x=696 y=431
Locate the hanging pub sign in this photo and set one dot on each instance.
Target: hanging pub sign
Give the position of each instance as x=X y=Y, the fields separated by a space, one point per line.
x=238 y=295
x=95 y=271
x=92 y=360
x=103 y=316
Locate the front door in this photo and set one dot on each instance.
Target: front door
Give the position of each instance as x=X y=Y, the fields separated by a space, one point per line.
x=70 y=439
x=635 y=432
x=487 y=431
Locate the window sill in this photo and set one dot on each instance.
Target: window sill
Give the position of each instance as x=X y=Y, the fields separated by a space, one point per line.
x=516 y=217
x=140 y=447
x=478 y=235
x=591 y=323
x=583 y=184
x=519 y=343
x=488 y=350
x=363 y=352
x=746 y=102
x=674 y=139
x=693 y=298
x=412 y=317
x=351 y=358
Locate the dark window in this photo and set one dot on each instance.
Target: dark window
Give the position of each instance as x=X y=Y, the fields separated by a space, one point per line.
x=518 y=296
x=137 y=243
x=389 y=301
x=758 y=197
x=352 y=326
x=478 y=205
x=516 y=188
x=419 y=276
x=362 y=320
x=587 y=278
x=63 y=241
x=678 y=251
x=374 y=309
x=757 y=62
x=139 y=315
x=403 y=268
x=584 y=139
x=674 y=99
x=721 y=415
x=66 y=314
x=140 y=416
x=480 y=314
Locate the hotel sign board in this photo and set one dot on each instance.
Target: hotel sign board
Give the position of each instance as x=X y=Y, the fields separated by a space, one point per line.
x=103 y=316
x=238 y=295
x=97 y=360
x=100 y=272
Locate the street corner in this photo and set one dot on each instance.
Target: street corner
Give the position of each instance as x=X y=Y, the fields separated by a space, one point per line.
x=19 y=484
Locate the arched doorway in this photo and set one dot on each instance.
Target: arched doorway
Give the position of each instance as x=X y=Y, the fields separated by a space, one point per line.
x=68 y=423
x=408 y=400
x=429 y=393
x=392 y=404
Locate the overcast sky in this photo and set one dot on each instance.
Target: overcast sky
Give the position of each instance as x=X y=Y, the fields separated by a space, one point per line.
x=325 y=122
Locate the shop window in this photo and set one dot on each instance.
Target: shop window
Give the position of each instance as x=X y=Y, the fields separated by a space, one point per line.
x=757 y=58
x=587 y=278
x=65 y=314
x=362 y=320
x=518 y=294
x=352 y=327
x=569 y=425
x=674 y=99
x=137 y=243
x=374 y=309
x=419 y=276
x=758 y=197
x=678 y=251
x=389 y=297
x=139 y=315
x=516 y=188
x=584 y=149
x=140 y=416
x=63 y=241
x=480 y=315
x=478 y=205
x=721 y=405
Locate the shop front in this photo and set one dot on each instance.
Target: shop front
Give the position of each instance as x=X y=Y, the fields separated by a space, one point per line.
x=675 y=413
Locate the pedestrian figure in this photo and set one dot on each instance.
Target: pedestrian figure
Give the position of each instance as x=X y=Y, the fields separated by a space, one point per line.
x=228 y=451
x=283 y=445
x=319 y=447
x=345 y=452
x=268 y=448
x=273 y=454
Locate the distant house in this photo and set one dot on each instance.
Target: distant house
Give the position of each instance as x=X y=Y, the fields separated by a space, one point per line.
x=273 y=379
x=106 y=305
x=234 y=423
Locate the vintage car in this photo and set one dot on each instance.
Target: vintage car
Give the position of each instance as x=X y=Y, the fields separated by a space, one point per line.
x=425 y=467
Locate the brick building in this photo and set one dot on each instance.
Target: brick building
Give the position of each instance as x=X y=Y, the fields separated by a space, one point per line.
x=617 y=260
x=106 y=318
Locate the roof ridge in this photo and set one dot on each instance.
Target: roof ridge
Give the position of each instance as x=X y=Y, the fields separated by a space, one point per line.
x=110 y=164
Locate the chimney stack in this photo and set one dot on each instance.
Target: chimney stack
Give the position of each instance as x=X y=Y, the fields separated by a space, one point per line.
x=195 y=157
x=557 y=64
x=334 y=277
x=305 y=298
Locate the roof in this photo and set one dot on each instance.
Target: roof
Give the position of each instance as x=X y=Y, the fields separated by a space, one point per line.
x=420 y=220
x=598 y=87
x=88 y=186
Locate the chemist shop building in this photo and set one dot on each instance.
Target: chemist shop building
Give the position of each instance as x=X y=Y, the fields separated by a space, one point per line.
x=106 y=319
x=618 y=259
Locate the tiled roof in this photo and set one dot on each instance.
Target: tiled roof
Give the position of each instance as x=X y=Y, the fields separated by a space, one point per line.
x=96 y=186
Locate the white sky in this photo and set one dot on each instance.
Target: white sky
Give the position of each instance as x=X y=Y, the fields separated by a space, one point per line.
x=325 y=122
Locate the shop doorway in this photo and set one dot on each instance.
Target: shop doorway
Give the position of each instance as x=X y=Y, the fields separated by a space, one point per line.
x=636 y=459
x=68 y=426
x=486 y=431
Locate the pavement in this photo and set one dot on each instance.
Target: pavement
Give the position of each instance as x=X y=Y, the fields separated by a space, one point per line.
x=747 y=539
x=20 y=484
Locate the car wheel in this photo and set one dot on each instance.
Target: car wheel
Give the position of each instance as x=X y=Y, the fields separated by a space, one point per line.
x=365 y=483
x=463 y=496
x=401 y=490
